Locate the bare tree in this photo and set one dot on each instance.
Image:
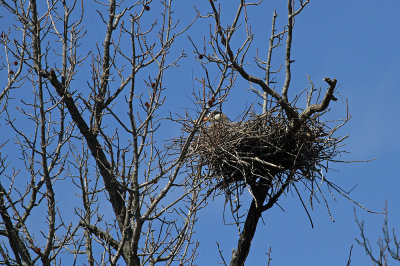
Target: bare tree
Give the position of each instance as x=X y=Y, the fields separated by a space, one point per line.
x=102 y=135
x=92 y=117
x=275 y=151
x=388 y=244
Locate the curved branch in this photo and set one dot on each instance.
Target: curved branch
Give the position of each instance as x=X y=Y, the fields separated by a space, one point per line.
x=317 y=108
x=100 y=234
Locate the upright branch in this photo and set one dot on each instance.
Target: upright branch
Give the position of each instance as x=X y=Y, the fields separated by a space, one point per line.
x=288 y=61
x=271 y=46
x=289 y=29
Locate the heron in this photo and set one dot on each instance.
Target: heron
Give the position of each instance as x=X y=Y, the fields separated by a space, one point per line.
x=217 y=116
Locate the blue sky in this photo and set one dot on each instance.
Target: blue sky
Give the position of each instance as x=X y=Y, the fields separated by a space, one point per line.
x=355 y=42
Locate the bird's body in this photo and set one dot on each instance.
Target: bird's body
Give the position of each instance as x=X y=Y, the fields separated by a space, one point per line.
x=217 y=116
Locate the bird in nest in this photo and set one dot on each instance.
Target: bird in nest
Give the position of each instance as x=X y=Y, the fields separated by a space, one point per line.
x=218 y=117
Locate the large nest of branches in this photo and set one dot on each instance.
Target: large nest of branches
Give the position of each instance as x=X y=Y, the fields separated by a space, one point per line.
x=263 y=149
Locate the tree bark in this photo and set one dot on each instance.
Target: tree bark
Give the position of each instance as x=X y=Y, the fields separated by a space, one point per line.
x=246 y=236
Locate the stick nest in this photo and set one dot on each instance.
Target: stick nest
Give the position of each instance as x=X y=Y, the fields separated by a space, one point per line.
x=262 y=149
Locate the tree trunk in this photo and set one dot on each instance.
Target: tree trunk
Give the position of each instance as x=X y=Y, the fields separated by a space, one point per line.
x=240 y=254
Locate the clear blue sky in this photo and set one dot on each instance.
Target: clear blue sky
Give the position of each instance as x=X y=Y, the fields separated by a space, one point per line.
x=355 y=42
